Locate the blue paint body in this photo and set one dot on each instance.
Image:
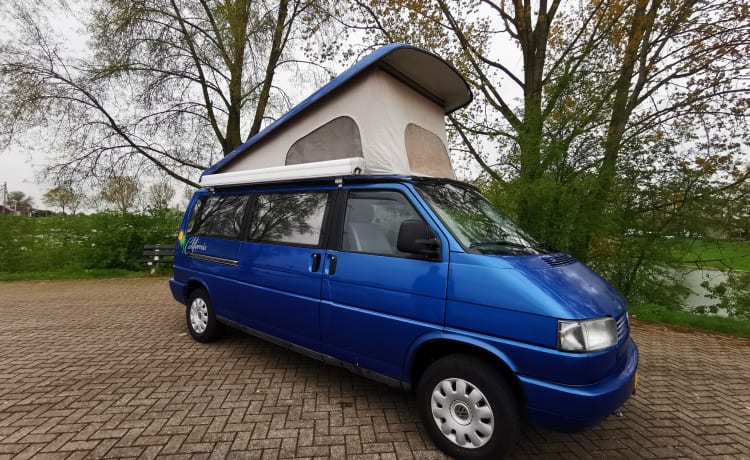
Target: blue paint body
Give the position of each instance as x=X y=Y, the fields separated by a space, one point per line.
x=375 y=313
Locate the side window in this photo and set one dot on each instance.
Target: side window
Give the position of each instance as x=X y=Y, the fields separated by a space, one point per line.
x=218 y=216
x=372 y=221
x=290 y=218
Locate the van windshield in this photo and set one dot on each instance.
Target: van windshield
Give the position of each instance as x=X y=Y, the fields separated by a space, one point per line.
x=475 y=222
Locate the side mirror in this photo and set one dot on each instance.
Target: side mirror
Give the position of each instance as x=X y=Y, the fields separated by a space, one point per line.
x=416 y=237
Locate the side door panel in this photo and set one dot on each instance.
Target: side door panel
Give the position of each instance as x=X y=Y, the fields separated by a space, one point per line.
x=280 y=294
x=281 y=269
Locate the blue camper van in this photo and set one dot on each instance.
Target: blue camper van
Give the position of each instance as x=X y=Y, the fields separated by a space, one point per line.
x=340 y=233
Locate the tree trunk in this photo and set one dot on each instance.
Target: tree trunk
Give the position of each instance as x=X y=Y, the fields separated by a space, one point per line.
x=593 y=211
x=277 y=47
x=533 y=41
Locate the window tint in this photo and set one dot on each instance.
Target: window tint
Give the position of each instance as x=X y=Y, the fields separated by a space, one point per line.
x=218 y=216
x=294 y=218
x=373 y=220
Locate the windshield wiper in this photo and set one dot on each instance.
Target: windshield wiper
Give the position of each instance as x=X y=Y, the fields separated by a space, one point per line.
x=543 y=246
x=498 y=243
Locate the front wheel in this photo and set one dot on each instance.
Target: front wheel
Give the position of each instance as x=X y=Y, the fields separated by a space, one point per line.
x=468 y=408
x=201 y=320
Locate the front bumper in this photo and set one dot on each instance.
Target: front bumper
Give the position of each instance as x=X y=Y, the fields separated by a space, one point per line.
x=569 y=408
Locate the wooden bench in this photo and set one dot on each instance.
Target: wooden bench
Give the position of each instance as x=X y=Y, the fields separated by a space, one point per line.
x=155 y=254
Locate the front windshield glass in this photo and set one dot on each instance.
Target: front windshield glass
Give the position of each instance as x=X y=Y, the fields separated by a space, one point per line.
x=475 y=222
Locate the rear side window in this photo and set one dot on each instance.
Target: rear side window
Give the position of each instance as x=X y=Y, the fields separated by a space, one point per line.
x=289 y=217
x=218 y=216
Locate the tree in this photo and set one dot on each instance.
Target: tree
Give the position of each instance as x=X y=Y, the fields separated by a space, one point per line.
x=161 y=194
x=63 y=196
x=598 y=81
x=168 y=83
x=121 y=191
x=20 y=202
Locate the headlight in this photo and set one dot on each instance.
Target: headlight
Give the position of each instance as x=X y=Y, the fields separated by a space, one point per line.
x=588 y=335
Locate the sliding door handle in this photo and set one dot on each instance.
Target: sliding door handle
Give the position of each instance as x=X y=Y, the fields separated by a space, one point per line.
x=315 y=263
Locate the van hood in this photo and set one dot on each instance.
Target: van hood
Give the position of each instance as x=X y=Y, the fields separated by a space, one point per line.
x=553 y=285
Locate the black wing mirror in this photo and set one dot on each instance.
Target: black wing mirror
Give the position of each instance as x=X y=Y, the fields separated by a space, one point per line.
x=416 y=237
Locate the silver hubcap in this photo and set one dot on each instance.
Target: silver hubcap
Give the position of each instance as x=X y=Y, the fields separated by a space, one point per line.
x=199 y=315
x=462 y=413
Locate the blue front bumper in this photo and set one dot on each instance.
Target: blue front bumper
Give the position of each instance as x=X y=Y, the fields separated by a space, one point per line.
x=577 y=408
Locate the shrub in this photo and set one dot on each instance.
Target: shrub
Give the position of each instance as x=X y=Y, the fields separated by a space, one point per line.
x=99 y=241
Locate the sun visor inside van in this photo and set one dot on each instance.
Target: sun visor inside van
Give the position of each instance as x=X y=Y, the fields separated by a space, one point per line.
x=385 y=115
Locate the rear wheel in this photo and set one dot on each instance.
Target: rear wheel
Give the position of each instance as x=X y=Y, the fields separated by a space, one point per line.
x=468 y=408
x=201 y=320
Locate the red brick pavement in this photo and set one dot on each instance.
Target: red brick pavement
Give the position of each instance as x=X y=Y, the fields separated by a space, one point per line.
x=105 y=369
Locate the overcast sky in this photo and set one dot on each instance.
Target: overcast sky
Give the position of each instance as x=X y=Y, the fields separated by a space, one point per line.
x=18 y=173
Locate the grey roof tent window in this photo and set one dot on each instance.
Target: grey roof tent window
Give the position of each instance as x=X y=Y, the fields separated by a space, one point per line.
x=337 y=139
x=426 y=152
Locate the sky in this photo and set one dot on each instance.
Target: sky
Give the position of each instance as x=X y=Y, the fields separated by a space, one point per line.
x=17 y=170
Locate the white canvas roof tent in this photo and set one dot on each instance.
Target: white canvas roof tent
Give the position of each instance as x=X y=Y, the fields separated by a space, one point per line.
x=384 y=115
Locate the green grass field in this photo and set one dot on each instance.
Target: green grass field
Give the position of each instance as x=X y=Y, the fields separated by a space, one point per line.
x=715 y=253
x=659 y=314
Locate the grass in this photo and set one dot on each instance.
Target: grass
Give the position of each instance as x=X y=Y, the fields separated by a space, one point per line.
x=74 y=273
x=659 y=314
x=715 y=253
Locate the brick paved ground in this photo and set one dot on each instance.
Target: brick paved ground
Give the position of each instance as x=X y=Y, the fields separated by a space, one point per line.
x=105 y=369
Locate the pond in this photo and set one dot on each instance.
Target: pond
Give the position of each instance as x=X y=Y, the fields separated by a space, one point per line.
x=692 y=278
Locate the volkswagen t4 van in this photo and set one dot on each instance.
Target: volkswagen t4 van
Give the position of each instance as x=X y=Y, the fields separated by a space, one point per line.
x=340 y=232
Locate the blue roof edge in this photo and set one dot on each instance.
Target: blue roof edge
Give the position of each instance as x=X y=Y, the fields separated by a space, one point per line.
x=362 y=65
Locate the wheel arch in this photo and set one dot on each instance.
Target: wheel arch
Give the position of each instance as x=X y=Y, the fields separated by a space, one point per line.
x=194 y=284
x=432 y=349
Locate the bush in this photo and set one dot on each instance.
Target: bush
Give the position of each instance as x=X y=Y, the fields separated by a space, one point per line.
x=99 y=241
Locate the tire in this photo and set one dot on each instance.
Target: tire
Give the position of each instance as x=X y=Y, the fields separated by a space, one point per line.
x=201 y=320
x=468 y=408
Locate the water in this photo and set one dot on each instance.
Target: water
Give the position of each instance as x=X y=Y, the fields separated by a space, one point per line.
x=692 y=279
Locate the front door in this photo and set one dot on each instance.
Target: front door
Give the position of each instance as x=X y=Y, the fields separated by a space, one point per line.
x=376 y=300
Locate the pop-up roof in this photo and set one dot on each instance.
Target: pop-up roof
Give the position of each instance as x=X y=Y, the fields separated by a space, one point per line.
x=384 y=115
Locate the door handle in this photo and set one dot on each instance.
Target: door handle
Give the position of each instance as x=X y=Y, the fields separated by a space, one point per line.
x=331 y=268
x=315 y=262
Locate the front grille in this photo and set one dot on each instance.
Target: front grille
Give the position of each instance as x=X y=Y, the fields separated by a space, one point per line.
x=623 y=328
x=559 y=259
